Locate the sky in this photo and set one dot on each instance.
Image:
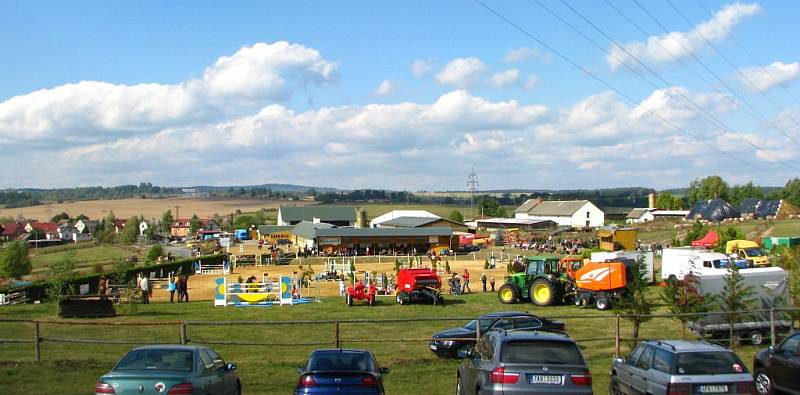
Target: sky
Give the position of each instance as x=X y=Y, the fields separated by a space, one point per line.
x=402 y=95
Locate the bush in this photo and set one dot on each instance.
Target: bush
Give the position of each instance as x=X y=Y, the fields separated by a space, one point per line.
x=155 y=252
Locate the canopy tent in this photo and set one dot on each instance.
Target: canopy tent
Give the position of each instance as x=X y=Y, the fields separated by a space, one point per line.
x=707 y=241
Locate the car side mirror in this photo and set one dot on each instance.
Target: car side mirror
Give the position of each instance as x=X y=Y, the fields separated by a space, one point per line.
x=619 y=360
x=464 y=353
x=231 y=367
x=771 y=348
x=299 y=370
x=385 y=370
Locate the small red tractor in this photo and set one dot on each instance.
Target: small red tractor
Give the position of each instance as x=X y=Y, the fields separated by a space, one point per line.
x=360 y=291
x=419 y=285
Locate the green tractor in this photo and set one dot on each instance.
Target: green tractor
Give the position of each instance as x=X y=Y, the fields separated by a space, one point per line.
x=542 y=283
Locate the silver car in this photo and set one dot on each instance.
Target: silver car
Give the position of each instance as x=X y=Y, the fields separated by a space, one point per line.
x=523 y=362
x=680 y=367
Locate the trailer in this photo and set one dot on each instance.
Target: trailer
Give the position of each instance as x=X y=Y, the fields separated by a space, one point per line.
x=419 y=285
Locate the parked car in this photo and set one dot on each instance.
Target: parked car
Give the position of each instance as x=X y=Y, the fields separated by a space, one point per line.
x=170 y=370
x=778 y=368
x=523 y=362
x=680 y=367
x=341 y=371
x=446 y=343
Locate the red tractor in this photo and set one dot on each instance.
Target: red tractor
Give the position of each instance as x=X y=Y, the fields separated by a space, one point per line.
x=361 y=292
x=419 y=285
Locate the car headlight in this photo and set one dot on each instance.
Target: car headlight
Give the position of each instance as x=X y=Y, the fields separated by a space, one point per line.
x=448 y=343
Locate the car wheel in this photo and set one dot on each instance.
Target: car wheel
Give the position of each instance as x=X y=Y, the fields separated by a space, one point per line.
x=756 y=338
x=763 y=382
x=613 y=386
x=238 y=389
x=458 y=386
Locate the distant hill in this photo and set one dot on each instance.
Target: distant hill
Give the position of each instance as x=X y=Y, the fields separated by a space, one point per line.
x=273 y=187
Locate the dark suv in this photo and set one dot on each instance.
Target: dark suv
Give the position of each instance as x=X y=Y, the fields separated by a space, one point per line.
x=778 y=368
x=523 y=362
x=680 y=367
x=447 y=342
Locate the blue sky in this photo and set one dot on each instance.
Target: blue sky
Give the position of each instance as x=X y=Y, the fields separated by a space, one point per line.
x=324 y=93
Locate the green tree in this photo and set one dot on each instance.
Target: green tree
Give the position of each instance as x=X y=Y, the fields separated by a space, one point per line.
x=155 y=251
x=131 y=232
x=81 y=217
x=740 y=192
x=682 y=297
x=59 y=217
x=734 y=298
x=789 y=259
x=166 y=221
x=109 y=221
x=456 y=216
x=711 y=187
x=633 y=303
x=489 y=207
x=194 y=224
x=666 y=201
x=14 y=260
x=726 y=234
x=697 y=231
x=244 y=222
x=791 y=192
x=36 y=234
x=61 y=271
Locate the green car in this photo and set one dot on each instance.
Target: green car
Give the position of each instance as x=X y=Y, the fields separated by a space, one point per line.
x=170 y=370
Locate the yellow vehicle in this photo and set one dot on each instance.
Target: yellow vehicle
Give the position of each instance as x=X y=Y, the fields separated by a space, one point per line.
x=749 y=250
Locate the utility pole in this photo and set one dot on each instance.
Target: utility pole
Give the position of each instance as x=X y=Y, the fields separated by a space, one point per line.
x=472 y=187
x=177 y=217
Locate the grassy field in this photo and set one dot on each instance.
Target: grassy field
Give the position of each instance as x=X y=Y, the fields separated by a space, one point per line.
x=85 y=258
x=73 y=368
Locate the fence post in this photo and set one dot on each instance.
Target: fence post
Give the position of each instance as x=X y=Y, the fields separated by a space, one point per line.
x=772 y=334
x=336 y=335
x=36 y=342
x=616 y=339
x=183 y=332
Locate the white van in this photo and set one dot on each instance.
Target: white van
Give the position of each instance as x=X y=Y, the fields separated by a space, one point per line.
x=677 y=262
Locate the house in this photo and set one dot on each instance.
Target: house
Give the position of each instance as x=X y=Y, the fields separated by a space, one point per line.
x=572 y=213
x=11 y=231
x=375 y=223
x=119 y=225
x=639 y=215
x=181 y=227
x=143 y=226
x=50 y=229
x=69 y=232
x=334 y=215
x=87 y=226
x=424 y=222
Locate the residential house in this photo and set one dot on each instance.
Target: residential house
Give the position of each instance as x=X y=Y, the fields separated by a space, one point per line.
x=11 y=231
x=87 y=226
x=572 y=213
x=50 y=229
x=181 y=227
x=143 y=226
x=334 y=215
x=639 y=215
x=119 y=225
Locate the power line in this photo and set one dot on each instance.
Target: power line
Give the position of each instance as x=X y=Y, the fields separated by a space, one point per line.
x=746 y=102
x=705 y=113
x=611 y=87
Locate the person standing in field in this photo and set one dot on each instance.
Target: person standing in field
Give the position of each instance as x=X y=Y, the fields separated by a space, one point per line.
x=185 y=288
x=144 y=286
x=491 y=282
x=171 y=287
x=466 y=281
x=483 y=281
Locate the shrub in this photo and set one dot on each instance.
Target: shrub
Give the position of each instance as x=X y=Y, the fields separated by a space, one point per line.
x=155 y=252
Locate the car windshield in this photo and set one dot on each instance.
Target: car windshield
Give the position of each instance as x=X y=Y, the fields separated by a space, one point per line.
x=753 y=252
x=485 y=324
x=697 y=363
x=541 y=352
x=180 y=360
x=341 y=361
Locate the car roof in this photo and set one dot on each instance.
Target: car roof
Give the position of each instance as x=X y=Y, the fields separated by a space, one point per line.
x=686 y=345
x=353 y=350
x=532 y=335
x=501 y=314
x=171 y=347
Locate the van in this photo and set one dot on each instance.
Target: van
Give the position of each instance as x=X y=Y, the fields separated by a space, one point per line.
x=677 y=262
x=749 y=250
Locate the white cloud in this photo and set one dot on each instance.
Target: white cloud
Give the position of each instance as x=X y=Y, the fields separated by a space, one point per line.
x=386 y=88
x=421 y=67
x=251 y=77
x=531 y=82
x=504 y=78
x=524 y=53
x=764 y=78
x=461 y=72
x=664 y=48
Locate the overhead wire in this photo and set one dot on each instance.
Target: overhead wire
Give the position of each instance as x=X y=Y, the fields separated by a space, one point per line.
x=622 y=94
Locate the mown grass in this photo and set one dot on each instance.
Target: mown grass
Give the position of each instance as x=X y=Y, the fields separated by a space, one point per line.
x=85 y=258
x=73 y=368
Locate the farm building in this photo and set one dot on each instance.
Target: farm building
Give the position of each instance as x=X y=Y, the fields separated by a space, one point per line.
x=272 y=233
x=639 y=215
x=573 y=213
x=514 y=223
x=305 y=233
x=334 y=215
x=613 y=238
x=384 y=240
x=394 y=214
x=424 y=222
x=616 y=213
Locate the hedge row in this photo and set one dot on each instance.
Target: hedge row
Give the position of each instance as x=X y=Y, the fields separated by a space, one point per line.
x=38 y=290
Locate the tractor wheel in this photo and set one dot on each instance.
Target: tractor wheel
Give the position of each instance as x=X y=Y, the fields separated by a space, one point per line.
x=401 y=298
x=542 y=292
x=602 y=302
x=507 y=293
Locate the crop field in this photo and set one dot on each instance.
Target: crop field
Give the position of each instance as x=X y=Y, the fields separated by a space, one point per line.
x=85 y=258
x=149 y=208
x=402 y=347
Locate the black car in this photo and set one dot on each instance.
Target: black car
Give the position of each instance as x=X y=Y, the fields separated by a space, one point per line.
x=446 y=343
x=341 y=371
x=776 y=369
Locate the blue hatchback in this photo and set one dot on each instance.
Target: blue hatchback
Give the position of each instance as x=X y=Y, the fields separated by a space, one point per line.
x=341 y=371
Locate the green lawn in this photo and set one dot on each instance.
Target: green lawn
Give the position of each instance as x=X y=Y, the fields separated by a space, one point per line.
x=786 y=228
x=85 y=258
x=73 y=368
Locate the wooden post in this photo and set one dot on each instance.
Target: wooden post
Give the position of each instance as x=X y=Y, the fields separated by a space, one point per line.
x=336 y=335
x=36 y=342
x=772 y=333
x=183 y=333
x=616 y=339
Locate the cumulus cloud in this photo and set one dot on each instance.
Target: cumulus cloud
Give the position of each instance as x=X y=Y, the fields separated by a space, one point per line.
x=764 y=78
x=421 y=67
x=665 y=48
x=386 y=88
x=251 y=77
x=504 y=78
x=461 y=72
x=531 y=82
x=524 y=53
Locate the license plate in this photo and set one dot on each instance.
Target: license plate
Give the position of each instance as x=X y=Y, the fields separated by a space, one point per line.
x=713 y=389
x=433 y=347
x=544 y=379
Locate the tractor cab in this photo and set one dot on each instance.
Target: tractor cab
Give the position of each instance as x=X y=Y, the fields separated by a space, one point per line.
x=540 y=266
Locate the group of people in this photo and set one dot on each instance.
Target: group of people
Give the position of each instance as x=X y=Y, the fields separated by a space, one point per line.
x=179 y=284
x=456 y=285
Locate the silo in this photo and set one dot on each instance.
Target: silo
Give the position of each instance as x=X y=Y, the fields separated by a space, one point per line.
x=361 y=218
x=651 y=200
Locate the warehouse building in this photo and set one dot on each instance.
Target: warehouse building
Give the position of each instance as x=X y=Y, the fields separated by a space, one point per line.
x=334 y=215
x=370 y=241
x=574 y=213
